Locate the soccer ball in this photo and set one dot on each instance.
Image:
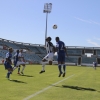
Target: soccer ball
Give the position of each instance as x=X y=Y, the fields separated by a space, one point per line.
x=55 y=26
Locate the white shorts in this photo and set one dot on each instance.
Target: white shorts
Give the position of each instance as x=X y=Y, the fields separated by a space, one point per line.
x=49 y=57
x=20 y=63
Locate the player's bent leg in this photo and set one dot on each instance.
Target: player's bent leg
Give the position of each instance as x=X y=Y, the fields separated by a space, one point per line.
x=16 y=65
x=18 y=70
x=9 y=71
x=50 y=58
x=8 y=75
x=23 y=70
x=15 y=68
x=21 y=63
x=43 y=66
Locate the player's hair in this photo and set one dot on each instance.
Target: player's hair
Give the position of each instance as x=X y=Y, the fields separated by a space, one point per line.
x=57 y=38
x=17 y=51
x=10 y=48
x=49 y=38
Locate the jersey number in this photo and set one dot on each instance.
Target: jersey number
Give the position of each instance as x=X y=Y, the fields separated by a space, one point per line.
x=62 y=47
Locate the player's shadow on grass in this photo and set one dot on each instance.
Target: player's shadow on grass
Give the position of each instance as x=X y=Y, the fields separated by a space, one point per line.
x=78 y=88
x=17 y=81
x=27 y=75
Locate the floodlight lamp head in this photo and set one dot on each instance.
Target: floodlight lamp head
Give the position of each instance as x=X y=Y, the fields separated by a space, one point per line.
x=47 y=7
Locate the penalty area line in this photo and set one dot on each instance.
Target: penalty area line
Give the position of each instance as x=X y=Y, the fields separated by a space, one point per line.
x=31 y=96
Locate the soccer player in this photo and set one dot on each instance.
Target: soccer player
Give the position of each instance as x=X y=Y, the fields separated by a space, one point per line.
x=50 y=54
x=15 y=61
x=61 y=52
x=8 y=62
x=94 y=65
x=19 y=60
x=16 y=57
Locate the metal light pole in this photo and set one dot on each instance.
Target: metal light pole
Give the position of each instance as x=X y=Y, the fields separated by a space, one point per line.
x=47 y=9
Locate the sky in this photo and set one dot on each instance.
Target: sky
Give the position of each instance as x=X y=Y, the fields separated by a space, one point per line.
x=78 y=21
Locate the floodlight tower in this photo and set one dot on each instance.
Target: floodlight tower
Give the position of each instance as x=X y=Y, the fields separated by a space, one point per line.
x=47 y=9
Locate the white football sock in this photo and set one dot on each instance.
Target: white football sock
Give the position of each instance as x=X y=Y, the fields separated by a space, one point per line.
x=43 y=66
x=23 y=68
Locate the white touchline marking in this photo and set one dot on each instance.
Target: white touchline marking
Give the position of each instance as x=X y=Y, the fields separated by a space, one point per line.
x=29 y=97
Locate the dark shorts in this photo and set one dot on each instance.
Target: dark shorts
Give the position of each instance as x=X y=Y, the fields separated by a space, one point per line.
x=95 y=65
x=61 y=57
x=7 y=65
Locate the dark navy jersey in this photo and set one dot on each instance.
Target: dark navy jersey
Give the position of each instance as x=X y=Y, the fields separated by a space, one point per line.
x=9 y=56
x=94 y=63
x=60 y=47
x=16 y=58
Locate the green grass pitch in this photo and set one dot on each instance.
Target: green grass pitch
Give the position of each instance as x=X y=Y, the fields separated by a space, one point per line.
x=83 y=85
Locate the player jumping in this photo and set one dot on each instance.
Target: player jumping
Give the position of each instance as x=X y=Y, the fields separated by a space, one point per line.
x=50 y=54
x=61 y=51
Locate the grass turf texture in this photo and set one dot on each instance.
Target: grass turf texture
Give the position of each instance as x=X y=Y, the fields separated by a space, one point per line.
x=84 y=85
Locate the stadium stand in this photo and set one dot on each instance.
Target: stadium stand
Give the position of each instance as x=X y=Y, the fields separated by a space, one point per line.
x=72 y=59
x=97 y=52
x=33 y=49
x=9 y=44
x=76 y=52
x=88 y=60
x=34 y=53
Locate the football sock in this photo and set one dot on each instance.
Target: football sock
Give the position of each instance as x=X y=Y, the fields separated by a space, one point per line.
x=64 y=68
x=59 y=67
x=18 y=69
x=8 y=74
x=23 y=68
x=43 y=66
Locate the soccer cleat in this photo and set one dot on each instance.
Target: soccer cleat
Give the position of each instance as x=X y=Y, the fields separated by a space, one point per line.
x=8 y=78
x=22 y=73
x=63 y=75
x=42 y=71
x=18 y=73
x=59 y=74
